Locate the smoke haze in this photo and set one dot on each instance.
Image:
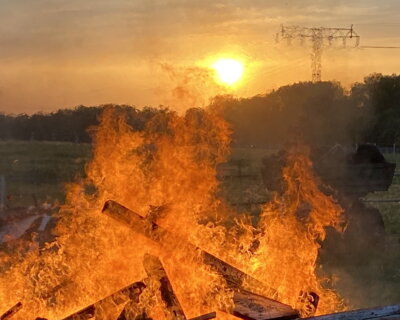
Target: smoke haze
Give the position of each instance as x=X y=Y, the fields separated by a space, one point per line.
x=66 y=53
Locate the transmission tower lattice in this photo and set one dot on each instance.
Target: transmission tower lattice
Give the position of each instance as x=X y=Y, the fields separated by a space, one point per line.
x=319 y=37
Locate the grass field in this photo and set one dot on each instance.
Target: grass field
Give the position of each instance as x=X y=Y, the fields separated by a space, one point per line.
x=40 y=169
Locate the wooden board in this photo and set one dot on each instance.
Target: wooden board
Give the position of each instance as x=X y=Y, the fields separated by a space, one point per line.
x=131 y=292
x=250 y=306
x=234 y=277
x=211 y=315
x=246 y=301
x=155 y=270
x=11 y=312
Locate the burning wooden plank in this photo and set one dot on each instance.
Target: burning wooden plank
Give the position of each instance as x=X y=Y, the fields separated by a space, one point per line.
x=211 y=315
x=11 y=312
x=250 y=306
x=131 y=292
x=155 y=269
x=236 y=279
x=380 y=313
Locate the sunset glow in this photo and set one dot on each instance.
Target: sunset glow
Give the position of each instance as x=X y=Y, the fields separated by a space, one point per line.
x=228 y=71
x=199 y=160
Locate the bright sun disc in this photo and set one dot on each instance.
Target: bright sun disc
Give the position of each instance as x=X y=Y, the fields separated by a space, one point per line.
x=228 y=71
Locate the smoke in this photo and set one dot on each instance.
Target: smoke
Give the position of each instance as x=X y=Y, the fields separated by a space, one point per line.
x=189 y=87
x=364 y=259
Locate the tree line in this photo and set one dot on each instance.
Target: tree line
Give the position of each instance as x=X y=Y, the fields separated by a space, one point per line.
x=68 y=125
x=321 y=113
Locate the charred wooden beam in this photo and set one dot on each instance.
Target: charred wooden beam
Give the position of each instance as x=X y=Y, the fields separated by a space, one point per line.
x=380 y=313
x=155 y=270
x=250 y=306
x=211 y=315
x=234 y=277
x=244 y=300
x=84 y=314
x=11 y=312
x=131 y=292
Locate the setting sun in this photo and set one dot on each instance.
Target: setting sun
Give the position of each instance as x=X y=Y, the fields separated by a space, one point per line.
x=228 y=71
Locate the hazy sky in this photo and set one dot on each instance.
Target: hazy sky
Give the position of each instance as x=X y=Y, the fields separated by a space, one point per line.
x=63 y=53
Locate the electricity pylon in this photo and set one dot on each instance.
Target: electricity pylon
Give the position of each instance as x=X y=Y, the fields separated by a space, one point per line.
x=319 y=37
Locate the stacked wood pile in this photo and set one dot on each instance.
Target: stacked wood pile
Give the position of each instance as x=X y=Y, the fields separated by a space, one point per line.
x=247 y=305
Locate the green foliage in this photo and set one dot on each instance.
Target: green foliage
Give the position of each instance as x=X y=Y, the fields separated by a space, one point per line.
x=71 y=125
x=318 y=113
x=378 y=99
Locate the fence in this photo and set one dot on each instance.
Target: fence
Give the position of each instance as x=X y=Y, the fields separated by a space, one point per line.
x=389 y=149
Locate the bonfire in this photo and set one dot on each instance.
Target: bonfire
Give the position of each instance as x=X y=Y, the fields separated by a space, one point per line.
x=145 y=236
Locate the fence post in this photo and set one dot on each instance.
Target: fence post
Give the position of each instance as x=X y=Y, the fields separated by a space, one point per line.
x=2 y=192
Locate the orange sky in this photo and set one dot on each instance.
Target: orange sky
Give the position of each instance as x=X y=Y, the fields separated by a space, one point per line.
x=57 y=54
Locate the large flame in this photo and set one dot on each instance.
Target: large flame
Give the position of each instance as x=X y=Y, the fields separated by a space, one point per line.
x=168 y=170
x=293 y=225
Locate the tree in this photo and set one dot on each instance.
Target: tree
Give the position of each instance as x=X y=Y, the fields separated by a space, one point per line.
x=378 y=100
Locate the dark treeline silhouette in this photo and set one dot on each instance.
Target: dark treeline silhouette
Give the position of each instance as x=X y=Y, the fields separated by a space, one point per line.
x=70 y=125
x=318 y=113
x=321 y=113
x=62 y=125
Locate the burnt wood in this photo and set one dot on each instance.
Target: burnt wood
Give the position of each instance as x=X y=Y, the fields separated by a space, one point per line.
x=155 y=270
x=233 y=276
x=244 y=299
x=129 y=293
x=211 y=315
x=379 y=313
x=250 y=306
x=11 y=312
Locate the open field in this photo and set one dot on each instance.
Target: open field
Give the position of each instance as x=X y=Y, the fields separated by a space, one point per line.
x=41 y=169
x=390 y=210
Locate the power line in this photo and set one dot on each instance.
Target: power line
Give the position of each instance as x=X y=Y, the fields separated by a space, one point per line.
x=378 y=47
x=319 y=37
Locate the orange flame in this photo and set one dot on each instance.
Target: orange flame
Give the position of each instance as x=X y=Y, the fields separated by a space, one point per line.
x=293 y=225
x=171 y=164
